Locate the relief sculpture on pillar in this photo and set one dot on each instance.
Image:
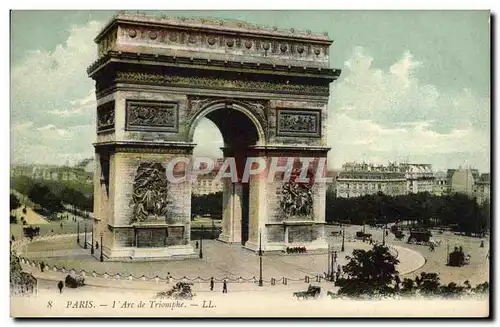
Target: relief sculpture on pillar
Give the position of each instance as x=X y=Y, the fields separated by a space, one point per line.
x=297 y=197
x=150 y=192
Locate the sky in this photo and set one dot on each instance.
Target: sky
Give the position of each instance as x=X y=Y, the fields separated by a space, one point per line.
x=415 y=85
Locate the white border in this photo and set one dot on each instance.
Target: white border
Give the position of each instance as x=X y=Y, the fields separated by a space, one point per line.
x=197 y=4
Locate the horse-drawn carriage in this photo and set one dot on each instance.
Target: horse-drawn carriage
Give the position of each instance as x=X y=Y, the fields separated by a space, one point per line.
x=421 y=237
x=336 y=233
x=74 y=281
x=312 y=292
x=363 y=236
x=458 y=258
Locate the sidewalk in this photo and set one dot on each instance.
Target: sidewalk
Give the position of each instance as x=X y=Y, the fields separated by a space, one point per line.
x=160 y=285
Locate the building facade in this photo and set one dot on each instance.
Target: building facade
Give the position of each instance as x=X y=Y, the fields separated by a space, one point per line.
x=463 y=182
x=419 y=177
x=482 y=188
x=206 y=183
x=358 y=179
x=440 y=186
x=54 y=173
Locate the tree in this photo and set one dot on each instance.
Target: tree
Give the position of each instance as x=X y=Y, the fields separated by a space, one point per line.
x=14 y=202
x=42 y=195
x=209 y=204
x=13 y=219
x=369 y=272
x=428 y=283
x=408 y=286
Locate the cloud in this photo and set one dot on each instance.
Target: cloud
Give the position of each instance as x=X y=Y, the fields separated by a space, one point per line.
x=53 y=102
x=386 y=115
x=396 y=96
x=208 y=139
x=78 y=107
x=376 y=113
x=55 y=81
x=51 y=144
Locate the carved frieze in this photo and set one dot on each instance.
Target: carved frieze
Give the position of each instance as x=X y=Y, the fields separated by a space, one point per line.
x=214 y=82
x=258 y=107
x=106 y=117
x=254 y=45
x=298 y=123
x=150 y=192
x=152 y=116
x=297 y=197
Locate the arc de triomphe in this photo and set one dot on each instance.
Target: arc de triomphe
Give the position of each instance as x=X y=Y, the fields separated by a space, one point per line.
x=266 y=90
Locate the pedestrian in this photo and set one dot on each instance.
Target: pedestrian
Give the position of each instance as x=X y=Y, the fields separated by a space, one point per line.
x=42 y=266
x=212 y=283
x=224 y=287
x=60 y=286
x=197 y=245
x=96 y=245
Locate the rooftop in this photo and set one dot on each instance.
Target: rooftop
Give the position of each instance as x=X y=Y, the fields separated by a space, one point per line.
x=214 y=24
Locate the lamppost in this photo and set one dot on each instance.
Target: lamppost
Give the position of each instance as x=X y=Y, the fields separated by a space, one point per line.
x=78 y=233
x=343 y=240
x=92 y=244
x=85 y=237
x=201 y=243
x=261 y=282
x=329 y=266
x=102 y=257
x=213 y=229
x=333 y=262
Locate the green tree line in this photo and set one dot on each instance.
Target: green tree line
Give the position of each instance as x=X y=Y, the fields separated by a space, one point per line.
x=51 y=195
x=371 y=273
x=209 y=204
x=456 y=210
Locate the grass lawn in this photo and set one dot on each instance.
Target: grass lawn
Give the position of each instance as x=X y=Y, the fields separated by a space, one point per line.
x=32 y=217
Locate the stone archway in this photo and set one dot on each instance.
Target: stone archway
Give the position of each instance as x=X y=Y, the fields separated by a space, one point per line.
x=266 y=89
x=241 y=129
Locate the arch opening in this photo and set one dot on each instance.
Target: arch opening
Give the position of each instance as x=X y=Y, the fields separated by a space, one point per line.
x=239 y=130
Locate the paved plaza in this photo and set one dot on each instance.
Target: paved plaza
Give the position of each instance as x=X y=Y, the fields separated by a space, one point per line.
x=221 y=260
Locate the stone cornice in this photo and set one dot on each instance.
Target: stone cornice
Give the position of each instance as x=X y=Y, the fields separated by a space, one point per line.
x=213 y=25
x=209 y=64
x=146 y=147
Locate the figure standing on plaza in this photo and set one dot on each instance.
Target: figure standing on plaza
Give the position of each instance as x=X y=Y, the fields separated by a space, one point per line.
x=60 y=286
x=224 y=287
x=212 y=283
